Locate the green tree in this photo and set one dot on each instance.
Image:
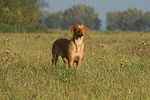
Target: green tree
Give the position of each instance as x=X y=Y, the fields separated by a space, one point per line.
x=126 y=20
x=53 y=21
x=43 y=17
x=81 y=14
x=22 y=12
x=146 y=20
x=129 y=18
x=97 y=25
x=113 y=20
x=139 y=25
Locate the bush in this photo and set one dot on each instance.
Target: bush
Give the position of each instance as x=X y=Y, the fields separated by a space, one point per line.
x=5 y=28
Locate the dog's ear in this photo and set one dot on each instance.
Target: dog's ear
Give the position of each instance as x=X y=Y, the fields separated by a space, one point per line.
x=86 y=30
x=71 y=28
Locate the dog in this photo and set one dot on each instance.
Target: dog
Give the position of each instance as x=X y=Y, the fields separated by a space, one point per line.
x=70 y=50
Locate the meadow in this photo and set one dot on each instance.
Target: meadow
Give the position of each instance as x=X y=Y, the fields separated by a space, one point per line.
x=115 y=66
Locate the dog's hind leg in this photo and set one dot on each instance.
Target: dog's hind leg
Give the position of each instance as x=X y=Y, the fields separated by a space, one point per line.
x=65 y=61
x=54 y=59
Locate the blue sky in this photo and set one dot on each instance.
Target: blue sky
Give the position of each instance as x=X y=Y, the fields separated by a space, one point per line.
x=101 y=6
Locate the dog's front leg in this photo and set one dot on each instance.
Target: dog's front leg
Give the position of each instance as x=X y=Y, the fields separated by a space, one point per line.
x=71 y=63
x=78 y=64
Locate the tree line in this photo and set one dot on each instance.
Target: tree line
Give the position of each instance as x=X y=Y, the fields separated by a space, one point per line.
x=132 y=20
x=77 y=14
x=19 y=15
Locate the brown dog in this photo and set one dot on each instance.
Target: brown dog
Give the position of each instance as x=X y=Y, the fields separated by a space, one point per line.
x=70 y=50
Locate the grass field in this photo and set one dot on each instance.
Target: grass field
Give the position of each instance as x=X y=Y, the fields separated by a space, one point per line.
x=116 y=65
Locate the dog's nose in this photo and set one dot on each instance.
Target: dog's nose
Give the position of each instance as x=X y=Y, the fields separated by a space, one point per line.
x=81 y=31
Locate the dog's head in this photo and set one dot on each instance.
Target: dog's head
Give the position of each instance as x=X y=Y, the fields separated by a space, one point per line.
x=79 y=30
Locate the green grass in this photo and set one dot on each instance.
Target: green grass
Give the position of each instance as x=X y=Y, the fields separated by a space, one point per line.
x=115 y=66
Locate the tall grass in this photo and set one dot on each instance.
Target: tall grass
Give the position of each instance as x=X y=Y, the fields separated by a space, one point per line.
x=115 y=66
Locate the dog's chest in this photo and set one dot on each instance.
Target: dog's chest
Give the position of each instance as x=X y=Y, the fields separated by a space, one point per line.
x=79 y=47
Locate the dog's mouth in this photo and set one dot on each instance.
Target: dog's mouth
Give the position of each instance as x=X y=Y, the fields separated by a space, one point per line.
x=80 y=34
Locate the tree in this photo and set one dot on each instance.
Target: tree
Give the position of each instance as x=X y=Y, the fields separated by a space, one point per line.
x=139 y=25
x=126 y=20
x=53 y=21
x=81 y=14
x=146 y=20
x=22 y=12
x=113 y=20
x=129 y=18
x=43 y=17
x=97 y=25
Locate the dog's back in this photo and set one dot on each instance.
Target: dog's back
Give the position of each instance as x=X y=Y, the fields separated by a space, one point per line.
x=60 y=46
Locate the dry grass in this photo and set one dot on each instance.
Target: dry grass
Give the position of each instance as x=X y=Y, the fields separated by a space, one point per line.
x=115 y=66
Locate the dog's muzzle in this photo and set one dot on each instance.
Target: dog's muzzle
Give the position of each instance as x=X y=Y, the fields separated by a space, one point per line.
x=81 y=33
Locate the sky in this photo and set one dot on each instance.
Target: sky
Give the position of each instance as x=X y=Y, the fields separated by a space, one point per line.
x=102 y=7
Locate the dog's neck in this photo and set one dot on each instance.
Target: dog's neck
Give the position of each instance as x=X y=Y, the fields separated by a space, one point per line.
x=77 y=37
x=78 y=41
